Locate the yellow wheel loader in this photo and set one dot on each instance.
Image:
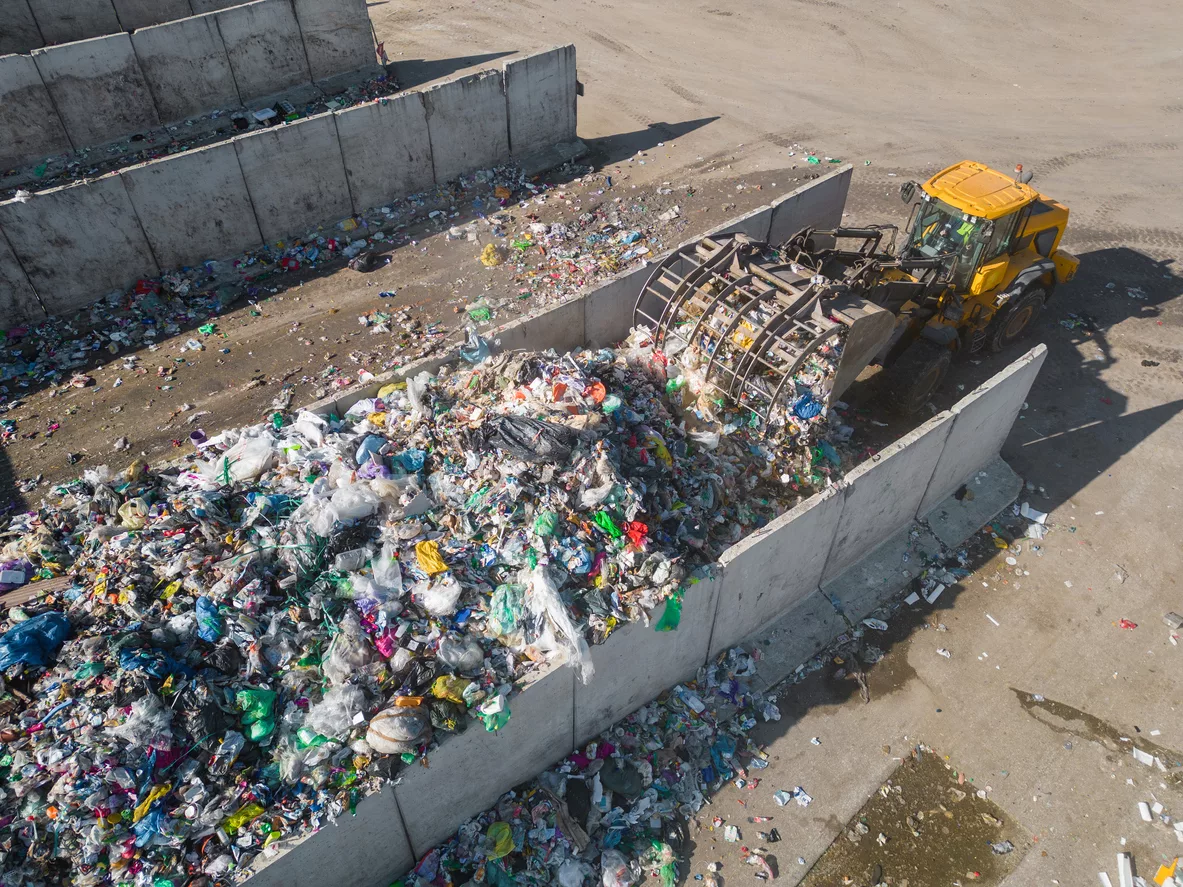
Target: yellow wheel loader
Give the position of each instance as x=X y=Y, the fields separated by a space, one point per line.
x=978 y=259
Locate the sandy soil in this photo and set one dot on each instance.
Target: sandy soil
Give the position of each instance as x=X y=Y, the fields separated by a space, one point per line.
x=1086 y=94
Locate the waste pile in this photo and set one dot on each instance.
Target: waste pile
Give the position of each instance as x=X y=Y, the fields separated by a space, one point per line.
x=254 y=640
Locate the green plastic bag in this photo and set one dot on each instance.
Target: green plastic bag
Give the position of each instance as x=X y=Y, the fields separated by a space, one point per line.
x=546 y=523
x=671 y=617
x=499 y=840
x=506 y=608
x=257 y=718
x=604 y=522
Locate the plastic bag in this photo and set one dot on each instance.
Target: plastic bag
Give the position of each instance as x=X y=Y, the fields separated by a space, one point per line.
x=399 y=729
x=246 y=460
x=428 y=554
x=616 y=870
x=34 y=641
x=506 y=607
x=355 y=501
x=257 y=706
x=559 y=631
x=209 y=623
x=134 y=513
x=440 y=597
x=147 y=724
x=333 y=716
x=460 y=654
x=530 y=439
x=348 y=652
x=417 y=394
x=671 y=617
x=499 y=840
x=387 y=572
x=572 y=873
x=476 y=349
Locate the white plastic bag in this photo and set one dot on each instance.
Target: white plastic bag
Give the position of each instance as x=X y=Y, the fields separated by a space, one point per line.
x=438 y=597
x=416 y=390
x=617 y=872
x=355 y=501
x=544 y=604
x=348 y=652
x=334 y=715
x=387 y=572
x=246 y=460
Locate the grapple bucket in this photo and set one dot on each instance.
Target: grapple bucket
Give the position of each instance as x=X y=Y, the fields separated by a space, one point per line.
x=757 y=324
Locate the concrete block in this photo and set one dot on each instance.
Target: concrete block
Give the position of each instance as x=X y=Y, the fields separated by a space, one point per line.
x=135 y=14
x=466 y=118
x=264 y=47
x=540 y=99
x=884 y=572
x=203 y=6
x=186 y=67
x=194 y=206
x=18 y=300
x=551 y=157
x=983 y=422
x=295 y=176
x=560 y=328
x=30 y=128
x=773 y=568
x=337 y=36
x=97 y=242
x=637 y=663
x=18 y=28
x=818 y=204
x=608 y=309
x=883 y=493
x=369 y=849
x=469 y=772
x=994 y=486
x=794 y=638
x=386 y=149
x=61 y=21
x=98 y=88
x=755 y=224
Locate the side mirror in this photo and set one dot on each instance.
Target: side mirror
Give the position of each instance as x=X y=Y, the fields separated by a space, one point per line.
x=907 y=191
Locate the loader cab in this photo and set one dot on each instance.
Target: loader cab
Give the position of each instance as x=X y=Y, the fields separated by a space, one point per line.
x=991 y=226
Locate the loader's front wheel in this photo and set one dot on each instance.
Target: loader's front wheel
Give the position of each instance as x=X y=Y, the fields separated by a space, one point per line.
x=1015 y=320
x=914 y=377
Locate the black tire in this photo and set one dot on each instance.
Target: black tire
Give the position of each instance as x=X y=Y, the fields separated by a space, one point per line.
x=1016 y=319
x=915 y=376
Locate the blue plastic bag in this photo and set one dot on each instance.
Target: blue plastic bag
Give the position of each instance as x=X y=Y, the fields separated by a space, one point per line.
x=209 y=623
x=34 y=641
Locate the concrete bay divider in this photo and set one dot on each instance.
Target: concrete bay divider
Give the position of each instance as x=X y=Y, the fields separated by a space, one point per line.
x=110 y=87
x=263 y=186
x=777 y=571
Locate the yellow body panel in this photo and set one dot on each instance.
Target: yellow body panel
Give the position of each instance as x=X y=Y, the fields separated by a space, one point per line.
x=976 y=189
x=1066 y=265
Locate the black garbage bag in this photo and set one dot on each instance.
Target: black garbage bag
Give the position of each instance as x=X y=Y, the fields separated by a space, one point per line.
x=367 y=262
x=530 y=439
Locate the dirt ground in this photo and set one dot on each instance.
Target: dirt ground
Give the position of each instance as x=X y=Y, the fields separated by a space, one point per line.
x=1087 y=95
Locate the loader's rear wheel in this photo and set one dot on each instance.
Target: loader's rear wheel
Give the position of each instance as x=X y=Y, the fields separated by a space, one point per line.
x=914 y=377
x=1015 y=320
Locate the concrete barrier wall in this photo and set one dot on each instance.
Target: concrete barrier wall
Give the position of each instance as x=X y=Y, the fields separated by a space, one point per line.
x=98 y=89
x=29 y=127
x=773 y=573
x=61 y=21
x=540 y=100
x=262 y=186
x=18 y=28
x=110 y=87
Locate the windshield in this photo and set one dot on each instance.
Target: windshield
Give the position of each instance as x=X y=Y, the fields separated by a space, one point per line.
x=941 y=230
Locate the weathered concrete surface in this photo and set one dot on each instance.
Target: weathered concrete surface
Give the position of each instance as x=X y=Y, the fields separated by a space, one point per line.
x=983 y=420
x=203 y=6
x=794 y=637
x=755 y=224
x=337 y=36
x=774 y=568
x=18 y=28
x=61 y=21
x=135 y=14
x=540 y=98
x=467 y=121
x=186 y=67
x=470 y=771
x=608 y=309
x=637 y=663
x=18 y=301
x=994 y=486
x=560 y=328
x=884 y=492
x=295 y=176
x=882 y=572
x=818 y=204
x=264 y=47
x=98 y=88
x=369 y=849
x=97 y=242
x=194 y=206
x=386 y=149
x=29 y=126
